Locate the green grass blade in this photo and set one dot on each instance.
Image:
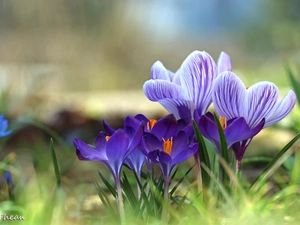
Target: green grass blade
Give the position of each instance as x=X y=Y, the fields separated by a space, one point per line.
x=294 y=82
x=223 y=153
x=265 y=172
x=108 y=185
x=55 y=164
x=203 y=153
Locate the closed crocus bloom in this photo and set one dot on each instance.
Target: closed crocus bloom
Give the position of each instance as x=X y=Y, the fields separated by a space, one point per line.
x=188 y=89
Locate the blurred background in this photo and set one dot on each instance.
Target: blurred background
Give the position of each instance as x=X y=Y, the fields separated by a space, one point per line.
x=67 y=64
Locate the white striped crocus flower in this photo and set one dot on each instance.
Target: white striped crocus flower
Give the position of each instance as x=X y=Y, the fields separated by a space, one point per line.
x=232 y=99
x=190 y=88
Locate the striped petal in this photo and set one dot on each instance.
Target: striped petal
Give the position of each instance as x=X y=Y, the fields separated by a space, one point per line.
x=229 y=95
x=282 y=109
x=158 y=71
x=224 y=63
x=261 y=100
x=156 y=90
x=196 y=76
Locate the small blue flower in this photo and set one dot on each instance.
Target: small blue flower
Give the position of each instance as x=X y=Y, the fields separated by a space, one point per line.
x=3 y=127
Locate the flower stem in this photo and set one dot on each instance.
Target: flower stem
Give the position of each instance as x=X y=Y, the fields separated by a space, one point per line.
x=166 y=199
x=120 y=201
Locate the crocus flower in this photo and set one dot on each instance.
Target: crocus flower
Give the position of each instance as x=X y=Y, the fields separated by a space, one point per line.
x=232 y=99
x=167 y=145
x=188 y=89
x=135 y=160
x=235 y=131
x=3 y=127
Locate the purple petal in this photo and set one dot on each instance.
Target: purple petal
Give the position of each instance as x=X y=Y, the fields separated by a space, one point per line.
x=166 y=127
x=209 y=130
x=86 y=152
x=181 y=109
x=135 y=160
x=224 y=63
x=184 y=155
x=117 y=146
x=110 y=130
x=236 y=130
x=156 y=90
x=180 y=142
x=158 y=71
x=150 y=143
x=159 y=156
x=282 y=109
x=229 y=94
x=196 y=76
x=100 y=142
x=141 y=117
x=261 y=100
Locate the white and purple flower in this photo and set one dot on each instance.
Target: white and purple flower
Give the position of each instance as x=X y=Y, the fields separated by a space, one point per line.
x=190 y=88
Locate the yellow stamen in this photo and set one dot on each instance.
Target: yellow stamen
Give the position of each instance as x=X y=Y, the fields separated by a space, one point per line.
x=247 y=88
x=168 y=144
x=107 y=138
x=151 y=124
x=223 y=122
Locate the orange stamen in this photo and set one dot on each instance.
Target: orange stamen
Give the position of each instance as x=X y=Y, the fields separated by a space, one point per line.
x=151 y=124
x=168 y=144
x=247 y=88
x=223 y=122
x=107 y=138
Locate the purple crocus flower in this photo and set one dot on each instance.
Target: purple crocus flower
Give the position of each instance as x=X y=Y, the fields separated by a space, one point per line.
x=135 y=159
x=110 y=150
x=235 y=131
x=232 y=99
x=188 y=89
x=167 y=145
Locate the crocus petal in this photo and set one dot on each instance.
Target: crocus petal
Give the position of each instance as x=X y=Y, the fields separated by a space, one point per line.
x=196 y=76
x=86 y=152
x=261 y=100
x=100 y=142
x=156 y=90
x=158 y=71
x=182 y=109
x=166 y=127
x=229 y=95
x=110 y=130
x=180 y=142
x=224 y=63
x=282 y=109
x=209 y=130
x=159 y=156
x=117 y=146
x=150 y=143
x=184 y=155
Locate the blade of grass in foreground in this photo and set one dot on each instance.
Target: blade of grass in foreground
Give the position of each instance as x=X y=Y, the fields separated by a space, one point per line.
x=55 y=164
x=203 y=153
x=269 y=169
x=295 y=83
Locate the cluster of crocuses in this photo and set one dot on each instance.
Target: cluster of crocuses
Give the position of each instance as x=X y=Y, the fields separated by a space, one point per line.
x=187 y=94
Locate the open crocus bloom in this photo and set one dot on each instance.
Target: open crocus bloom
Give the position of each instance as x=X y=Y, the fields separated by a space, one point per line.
x=188 y=89
x=255 y=104
x=232 y=99
x=167 y=145
x=110 y=150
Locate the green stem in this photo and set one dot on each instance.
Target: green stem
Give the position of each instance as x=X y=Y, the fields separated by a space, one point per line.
x=166 y=199
x=120 y=201
x=199 y=172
